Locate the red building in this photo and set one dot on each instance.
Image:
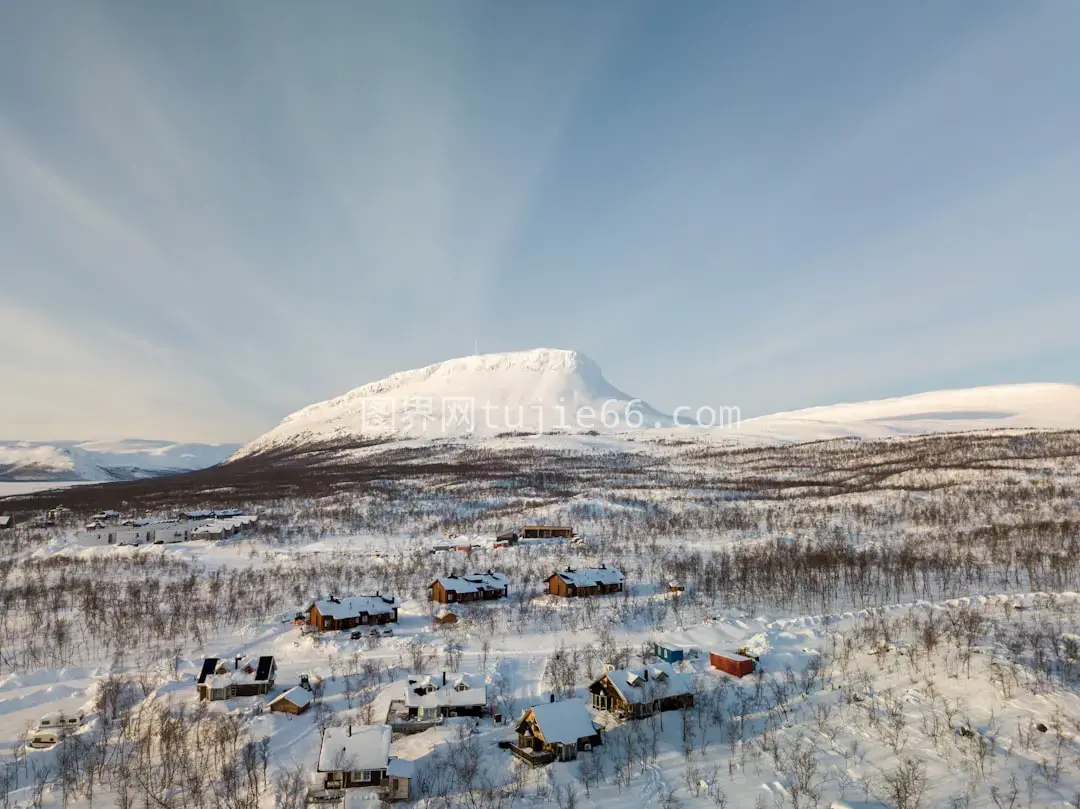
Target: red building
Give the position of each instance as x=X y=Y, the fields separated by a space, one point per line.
x=736 y=665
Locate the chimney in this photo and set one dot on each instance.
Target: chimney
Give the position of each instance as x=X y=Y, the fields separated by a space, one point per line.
x=552 y=698
x=603 y=565
x=350 y=729
x=376 y=592
x=646 y=674
x=444 y=678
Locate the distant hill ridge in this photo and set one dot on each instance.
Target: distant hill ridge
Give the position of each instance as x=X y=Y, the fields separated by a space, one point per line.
x=123 y=459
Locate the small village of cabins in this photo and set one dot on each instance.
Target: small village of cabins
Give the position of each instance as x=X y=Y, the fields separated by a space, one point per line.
x=353 y=756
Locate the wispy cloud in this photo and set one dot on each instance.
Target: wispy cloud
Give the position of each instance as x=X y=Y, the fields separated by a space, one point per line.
x=216 y=216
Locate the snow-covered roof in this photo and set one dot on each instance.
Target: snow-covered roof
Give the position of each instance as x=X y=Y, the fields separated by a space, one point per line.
x=400 y=768
x=590 y=576
x=220 y=672
x=732 y=655
x=352 y=606
x=55 y=719
x=461 y=689
x=662 y=679
x=563 y=722
x=355 y=748
x=297 y=696
x=474 y=582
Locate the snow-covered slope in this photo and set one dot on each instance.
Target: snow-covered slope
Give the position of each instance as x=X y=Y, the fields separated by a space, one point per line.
x=1030 y=406
x=540 y=391
x=553 y=391
x=123 y=459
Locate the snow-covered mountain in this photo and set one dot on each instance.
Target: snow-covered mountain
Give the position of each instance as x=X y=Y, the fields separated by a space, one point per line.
x=558 y=396
x=539 y=391
x=1027 y=406
x=123 y=459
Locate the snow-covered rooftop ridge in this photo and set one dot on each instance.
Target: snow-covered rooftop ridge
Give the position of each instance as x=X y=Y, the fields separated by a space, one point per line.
x=474 y=582
x=563 y=722
x=296 y=695
x=352 y=606
x=589 y=576
x=459 y=689
x=355 y=747
x=650 y=682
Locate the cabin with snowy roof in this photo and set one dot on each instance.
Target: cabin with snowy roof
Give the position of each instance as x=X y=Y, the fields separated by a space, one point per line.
x=430 y=696
x=222 y=678
x=454 y=589
x=585 y=581
x=555 y=731
x=637 y=693
x=294 y=701
x=355 y=756
x=333 y=613
x=546 y=532
x=5 y=521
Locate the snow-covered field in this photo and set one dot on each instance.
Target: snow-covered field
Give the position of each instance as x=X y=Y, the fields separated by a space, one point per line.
x=935 y=702
x=912 y=603
x=10 y=489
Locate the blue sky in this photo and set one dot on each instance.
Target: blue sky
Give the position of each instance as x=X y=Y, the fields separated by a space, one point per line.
x=214 y=214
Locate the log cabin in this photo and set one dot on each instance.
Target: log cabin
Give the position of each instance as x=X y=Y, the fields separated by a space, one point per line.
x=471 y=587
x=333 y=613
x=637 y=693
x=556 y=731
x=546 y=532
x=294 y=701
x=586 y=581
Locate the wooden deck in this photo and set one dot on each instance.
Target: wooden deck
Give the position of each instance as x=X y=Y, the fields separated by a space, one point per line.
x=531 y=756
x=327 y=798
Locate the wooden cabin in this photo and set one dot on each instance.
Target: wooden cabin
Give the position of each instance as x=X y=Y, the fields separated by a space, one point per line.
x=294 y=701
x=637 y=693
x=546 y=532
x=586 y=581
x=221 y=678
x=333 y=613
x=354 y=756
x=6 y=522
x=736 y=665
x=430 y=696
x=470 y=587
x=556 y=731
